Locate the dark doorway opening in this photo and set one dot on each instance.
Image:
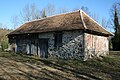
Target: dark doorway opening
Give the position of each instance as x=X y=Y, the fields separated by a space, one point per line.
x=43 y=48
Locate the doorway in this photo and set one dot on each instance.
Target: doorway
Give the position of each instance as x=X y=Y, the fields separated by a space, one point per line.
x=43 y=48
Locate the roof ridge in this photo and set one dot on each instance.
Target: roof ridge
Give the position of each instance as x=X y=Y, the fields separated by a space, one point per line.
x=46 y=18
x=96 y=22
x=51 y=16
x=82 y=19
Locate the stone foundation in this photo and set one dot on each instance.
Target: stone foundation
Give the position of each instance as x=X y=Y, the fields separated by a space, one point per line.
x=95 y=54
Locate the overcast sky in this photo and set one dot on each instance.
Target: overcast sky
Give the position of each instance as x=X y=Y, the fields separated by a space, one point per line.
x=9 y=8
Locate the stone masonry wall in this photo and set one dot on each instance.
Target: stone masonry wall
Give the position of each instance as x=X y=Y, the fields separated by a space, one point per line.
x=50 y=36
x=72 y=45
x=96 y=46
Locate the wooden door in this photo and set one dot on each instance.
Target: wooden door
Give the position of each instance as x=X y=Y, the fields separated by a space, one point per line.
x=43 y=47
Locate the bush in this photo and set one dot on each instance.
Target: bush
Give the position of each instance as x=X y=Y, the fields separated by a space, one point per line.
x=4 y=45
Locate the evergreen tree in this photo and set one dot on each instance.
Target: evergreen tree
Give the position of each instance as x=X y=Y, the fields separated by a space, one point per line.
x=116 y=22
x=116 y=39
x=43 y=13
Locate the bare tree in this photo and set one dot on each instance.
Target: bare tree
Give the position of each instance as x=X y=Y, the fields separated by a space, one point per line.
x=95 y=17
x=35 y=13
x=76 y=8
x=50 y=9
x=62 y=10
x=115 y=15
x=85 y=9
x=105 y=23
x=3 y=26
x=15 y=21
x=30 y=12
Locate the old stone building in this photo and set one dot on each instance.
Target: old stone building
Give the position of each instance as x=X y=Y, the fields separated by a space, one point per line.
x=72 y=35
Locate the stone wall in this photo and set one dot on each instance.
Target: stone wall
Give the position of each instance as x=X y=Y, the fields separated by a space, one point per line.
x=50 y=36
x=96 y=46
x=72 y=45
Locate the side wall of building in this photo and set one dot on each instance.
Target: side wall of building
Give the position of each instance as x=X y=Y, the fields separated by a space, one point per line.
x=22 y=44
x=72 y=45
x=96 y=46
x=75 y=45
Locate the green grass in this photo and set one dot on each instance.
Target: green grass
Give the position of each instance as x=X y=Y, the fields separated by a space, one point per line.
x=107 y=68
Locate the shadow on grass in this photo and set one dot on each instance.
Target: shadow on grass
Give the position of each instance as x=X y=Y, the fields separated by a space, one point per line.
x=65 y=69
x=59 y=65
x=76 y=73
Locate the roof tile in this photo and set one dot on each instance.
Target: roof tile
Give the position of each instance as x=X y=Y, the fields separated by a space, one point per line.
x=68 y=21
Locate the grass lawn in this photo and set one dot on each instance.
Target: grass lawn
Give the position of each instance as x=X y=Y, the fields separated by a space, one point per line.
x=23 y=67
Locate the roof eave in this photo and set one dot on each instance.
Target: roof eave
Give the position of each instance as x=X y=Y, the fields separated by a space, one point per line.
x=111 y=34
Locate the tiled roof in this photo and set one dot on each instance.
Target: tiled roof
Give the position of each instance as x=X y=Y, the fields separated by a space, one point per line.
x=68 y=21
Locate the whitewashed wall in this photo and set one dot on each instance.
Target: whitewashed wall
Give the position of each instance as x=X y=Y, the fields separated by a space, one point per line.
x=96 y=46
